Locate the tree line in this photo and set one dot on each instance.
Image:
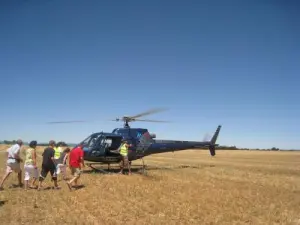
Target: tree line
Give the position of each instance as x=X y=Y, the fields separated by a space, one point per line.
x=64 y=144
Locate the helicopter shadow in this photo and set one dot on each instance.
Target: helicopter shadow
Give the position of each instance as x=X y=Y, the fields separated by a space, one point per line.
x=139 y=170
x=109 y=171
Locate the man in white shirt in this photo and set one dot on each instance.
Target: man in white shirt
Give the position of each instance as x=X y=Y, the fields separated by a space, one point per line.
x=13 y=163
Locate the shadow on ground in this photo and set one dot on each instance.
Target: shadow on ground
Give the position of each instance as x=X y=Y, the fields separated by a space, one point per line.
x=2 y=203
x=139 y=170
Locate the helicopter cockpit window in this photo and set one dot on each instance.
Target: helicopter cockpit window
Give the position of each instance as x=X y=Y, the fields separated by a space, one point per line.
x=90 y=141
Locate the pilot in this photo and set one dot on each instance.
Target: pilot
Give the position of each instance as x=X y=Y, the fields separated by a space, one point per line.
x=124 y=153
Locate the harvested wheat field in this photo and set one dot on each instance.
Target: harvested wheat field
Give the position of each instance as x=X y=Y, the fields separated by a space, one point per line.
x=188 y=187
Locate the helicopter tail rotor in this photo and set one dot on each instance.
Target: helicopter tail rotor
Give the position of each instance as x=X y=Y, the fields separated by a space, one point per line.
x=207 y=137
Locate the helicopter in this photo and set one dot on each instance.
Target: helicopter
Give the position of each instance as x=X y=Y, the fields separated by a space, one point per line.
x=102 y=147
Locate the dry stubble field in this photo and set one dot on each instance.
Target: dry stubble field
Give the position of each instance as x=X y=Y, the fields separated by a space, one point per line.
x=188 y=187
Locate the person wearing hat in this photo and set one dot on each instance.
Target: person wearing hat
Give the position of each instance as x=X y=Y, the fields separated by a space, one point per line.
x=48 y=165
x=30 y=165
x=13 y=163
x=124 y=154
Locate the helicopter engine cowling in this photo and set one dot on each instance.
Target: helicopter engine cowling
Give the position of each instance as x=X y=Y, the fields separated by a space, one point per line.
x=153 y=135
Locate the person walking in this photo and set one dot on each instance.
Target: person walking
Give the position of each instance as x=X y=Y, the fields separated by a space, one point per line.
x=13 y=163
x=75 y=162
x=61 y=163
x=48 y=165
x=30 y=165
x=58 y=150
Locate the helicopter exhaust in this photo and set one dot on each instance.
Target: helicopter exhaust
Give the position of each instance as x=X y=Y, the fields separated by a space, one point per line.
x=152 y=135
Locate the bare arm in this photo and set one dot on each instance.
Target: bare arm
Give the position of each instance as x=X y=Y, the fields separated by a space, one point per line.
x=129 y=145
x=65 y=159
x=33 y=155
x=17 y=156
x=52 y=158
x=82 y=161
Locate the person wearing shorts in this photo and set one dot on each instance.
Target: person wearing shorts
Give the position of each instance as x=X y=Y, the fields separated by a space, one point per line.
x=13 y=163
x=48 y=165
x=30 y=165
x=75 y=161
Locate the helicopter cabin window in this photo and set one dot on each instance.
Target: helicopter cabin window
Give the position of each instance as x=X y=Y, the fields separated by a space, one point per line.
x=112 y=143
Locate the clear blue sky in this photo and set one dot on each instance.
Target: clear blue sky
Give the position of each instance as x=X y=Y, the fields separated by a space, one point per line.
x=234 y=63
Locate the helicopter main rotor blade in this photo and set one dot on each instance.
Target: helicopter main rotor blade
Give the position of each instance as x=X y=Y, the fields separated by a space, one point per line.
x=151 y=111
x=71 y=121
x=155 y=121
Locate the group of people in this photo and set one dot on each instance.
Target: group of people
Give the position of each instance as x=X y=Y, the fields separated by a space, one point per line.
x=54 y=160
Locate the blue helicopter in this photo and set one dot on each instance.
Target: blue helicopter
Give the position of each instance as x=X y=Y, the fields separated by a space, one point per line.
x=102 y=147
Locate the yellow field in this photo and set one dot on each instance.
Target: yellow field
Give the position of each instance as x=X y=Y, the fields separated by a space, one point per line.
x=188 y=187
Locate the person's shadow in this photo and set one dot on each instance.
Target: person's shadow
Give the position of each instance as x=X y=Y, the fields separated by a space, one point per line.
x=2 y=202
x=78 y=187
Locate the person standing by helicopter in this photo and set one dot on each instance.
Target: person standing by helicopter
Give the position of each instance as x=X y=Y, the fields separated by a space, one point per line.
x=124 y=154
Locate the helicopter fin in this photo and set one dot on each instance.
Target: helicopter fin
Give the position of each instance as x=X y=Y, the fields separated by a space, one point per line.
x=212 y=146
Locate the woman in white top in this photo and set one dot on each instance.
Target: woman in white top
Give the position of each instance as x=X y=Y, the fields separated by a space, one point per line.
x=30 y=165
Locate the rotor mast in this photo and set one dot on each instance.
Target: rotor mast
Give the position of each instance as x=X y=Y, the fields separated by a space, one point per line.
x=126 y=121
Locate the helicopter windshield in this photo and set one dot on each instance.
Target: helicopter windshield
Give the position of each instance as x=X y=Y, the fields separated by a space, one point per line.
x=91 y=140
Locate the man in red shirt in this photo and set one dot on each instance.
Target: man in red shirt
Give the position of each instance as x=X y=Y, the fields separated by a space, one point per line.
x=75 y=159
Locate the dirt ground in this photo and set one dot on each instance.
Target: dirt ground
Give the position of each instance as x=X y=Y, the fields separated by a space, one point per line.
x=188 y=187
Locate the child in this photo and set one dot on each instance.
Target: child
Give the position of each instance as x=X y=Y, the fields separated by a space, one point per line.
x=61 y=163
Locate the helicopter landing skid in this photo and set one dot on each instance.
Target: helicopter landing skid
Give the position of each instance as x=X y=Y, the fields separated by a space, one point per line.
x=97 y=169
x=143 y=168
